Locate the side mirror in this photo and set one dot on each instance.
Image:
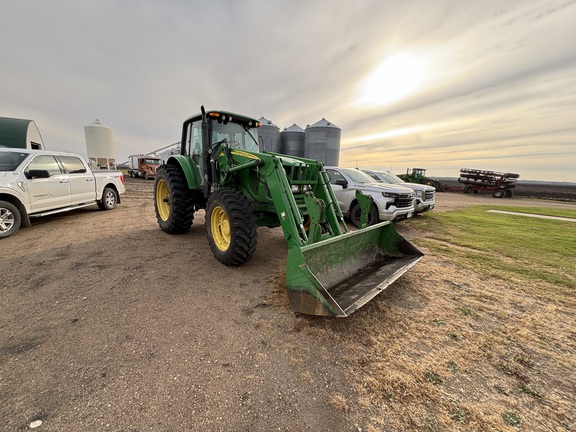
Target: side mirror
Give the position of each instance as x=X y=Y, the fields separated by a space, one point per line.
x=32 y=174
x=342 y=182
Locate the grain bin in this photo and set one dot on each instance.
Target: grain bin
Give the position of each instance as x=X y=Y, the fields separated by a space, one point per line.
x=323 y=142
x=292 y=141
x=100 y=144
x=269 y=135
x=20 y=133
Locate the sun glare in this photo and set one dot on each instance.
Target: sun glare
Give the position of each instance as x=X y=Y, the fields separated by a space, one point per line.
x=396 y=77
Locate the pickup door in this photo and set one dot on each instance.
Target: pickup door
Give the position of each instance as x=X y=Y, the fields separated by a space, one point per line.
x=82 y=184
x=344 y=195
x=48 y=186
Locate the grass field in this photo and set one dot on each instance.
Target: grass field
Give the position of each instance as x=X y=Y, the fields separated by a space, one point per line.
x=479 y=336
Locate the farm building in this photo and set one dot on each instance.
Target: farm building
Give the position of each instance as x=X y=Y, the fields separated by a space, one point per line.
x=20 y=133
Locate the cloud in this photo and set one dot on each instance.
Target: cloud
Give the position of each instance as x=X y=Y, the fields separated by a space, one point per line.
x=497 y=84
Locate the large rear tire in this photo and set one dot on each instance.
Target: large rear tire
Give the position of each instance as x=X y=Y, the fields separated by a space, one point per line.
x=173 y=201
x=10 y=219
x=230 y=227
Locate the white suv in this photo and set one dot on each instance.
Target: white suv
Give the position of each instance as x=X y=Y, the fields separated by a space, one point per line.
x=425 y=195
x=391 y=202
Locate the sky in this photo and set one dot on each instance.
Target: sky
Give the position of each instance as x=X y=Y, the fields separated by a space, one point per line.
x=438 y=84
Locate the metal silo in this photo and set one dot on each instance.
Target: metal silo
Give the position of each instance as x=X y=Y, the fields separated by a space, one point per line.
x=269 y=135
x=292 y=141
x=323 y=142
x=100 y=144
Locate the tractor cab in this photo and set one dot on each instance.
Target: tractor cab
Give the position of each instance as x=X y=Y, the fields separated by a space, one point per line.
x=419 y=173
x=203 y=133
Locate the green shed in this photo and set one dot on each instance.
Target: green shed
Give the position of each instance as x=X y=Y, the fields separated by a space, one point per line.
x=20 y=133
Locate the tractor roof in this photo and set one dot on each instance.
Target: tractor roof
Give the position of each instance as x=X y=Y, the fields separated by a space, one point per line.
x=234 y=117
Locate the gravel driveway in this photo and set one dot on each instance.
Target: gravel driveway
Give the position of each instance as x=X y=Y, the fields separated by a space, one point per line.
x=107 y=323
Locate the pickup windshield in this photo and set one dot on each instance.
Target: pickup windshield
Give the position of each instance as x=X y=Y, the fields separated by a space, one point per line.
x=390 y=178
x=9 y=161
x=358 y=176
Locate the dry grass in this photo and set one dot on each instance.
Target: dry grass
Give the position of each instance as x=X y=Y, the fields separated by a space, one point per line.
x=450 y=348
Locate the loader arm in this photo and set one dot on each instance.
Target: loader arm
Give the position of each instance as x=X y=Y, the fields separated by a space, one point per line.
x=330 y=271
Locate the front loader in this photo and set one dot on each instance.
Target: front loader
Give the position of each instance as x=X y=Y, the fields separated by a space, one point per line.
x=330 y=271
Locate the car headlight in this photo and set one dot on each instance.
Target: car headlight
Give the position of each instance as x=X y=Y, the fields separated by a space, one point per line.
x=388 y=195
x=419 y=193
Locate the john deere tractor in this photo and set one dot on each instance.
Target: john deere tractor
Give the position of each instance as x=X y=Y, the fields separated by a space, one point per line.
x=418 y=175
x=220 y=169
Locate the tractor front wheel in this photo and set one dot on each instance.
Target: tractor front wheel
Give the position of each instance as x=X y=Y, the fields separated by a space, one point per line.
x=230 y=227
x=173 y=200
x=499 y=193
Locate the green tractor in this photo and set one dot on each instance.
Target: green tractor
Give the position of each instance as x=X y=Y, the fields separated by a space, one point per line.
x=330 y=271
x=418 y=175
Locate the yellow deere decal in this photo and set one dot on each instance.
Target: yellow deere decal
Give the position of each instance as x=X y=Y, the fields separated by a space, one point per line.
x=244 y=154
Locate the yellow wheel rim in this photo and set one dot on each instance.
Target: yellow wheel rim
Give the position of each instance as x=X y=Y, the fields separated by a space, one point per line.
x=163 y=199
x=220 y=226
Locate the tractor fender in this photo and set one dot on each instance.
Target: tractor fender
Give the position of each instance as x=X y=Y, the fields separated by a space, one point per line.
x=187 y=167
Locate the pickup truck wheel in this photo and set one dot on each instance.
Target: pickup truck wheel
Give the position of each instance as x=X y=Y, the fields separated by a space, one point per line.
x=173 y=200
x=230 y=227
x=109 y=199
x=355 y=215
x=10 y=219
x=145 y=176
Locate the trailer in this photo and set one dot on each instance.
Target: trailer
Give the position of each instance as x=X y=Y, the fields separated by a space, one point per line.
x=475 y=181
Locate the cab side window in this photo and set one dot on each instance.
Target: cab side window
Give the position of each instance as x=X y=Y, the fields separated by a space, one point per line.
x=73 y=165
x=45 y=163
x=334 y=176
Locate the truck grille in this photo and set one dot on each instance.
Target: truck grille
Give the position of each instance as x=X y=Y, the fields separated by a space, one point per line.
x=429 y=195
x=404 y=200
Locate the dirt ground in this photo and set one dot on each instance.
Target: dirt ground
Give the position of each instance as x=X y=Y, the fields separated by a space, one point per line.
x=107 y=323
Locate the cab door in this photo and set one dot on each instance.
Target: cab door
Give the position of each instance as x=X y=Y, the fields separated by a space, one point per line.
x=342 y=193
x=48 y=187
x=82 y=183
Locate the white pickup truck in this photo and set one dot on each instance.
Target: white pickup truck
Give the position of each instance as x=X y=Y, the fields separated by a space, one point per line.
x=37 y=183
x=391 y=202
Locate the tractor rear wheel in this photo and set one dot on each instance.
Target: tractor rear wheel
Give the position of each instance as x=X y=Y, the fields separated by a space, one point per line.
x=173 y=200
x=230 y=227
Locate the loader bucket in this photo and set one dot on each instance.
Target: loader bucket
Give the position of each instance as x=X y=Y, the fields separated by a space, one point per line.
x=335 y=277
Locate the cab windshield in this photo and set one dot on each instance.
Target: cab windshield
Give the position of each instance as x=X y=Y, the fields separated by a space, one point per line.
x=238 y=136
